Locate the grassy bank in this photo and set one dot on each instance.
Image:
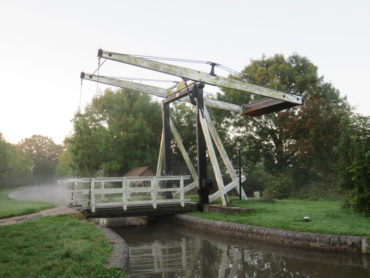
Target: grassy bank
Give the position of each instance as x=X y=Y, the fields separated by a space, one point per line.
x=328 y=217
x=55 y=246
x=9 y=207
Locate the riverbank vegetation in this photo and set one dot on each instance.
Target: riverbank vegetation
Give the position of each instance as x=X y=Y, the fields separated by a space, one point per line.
x=32 y=161
x=327 y=217
x=55 y=246
x=10 y=208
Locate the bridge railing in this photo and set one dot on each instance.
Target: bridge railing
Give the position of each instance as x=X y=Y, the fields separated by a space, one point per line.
x=128 y=191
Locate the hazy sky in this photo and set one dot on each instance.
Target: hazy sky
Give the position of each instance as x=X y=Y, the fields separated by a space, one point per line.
x=45 y=44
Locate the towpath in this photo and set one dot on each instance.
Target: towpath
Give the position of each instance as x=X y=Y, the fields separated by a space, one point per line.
x=47 y=212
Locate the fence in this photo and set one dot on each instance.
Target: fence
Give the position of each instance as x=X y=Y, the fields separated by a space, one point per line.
x=128 y=191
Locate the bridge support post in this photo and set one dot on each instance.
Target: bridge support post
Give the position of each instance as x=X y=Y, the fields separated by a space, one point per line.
x=201 y=150
x=167 y=167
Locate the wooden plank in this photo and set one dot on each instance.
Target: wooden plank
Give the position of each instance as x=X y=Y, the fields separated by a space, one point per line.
x=182 y=198
x=159 y=92
x=124 y=194
x=82 y=191
x=221 y=150
x=154 y=187
x=189 y=187
x=200 y=76
x=136 y=203
x=266 y=106
x=171 y=189
x=93 y=195
x=184 y=153
x=166 y=178
x=160 y=157
x=102 y=189
x=108 y=191
x=229 y=187
x=213 y=158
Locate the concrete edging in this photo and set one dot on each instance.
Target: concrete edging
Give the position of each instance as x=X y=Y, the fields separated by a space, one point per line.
x=340 y=243
x=119 y=256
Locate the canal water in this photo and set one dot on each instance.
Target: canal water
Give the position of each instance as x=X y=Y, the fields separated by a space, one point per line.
x=162 y=249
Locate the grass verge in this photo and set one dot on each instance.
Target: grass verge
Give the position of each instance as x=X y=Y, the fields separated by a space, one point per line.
x=327 y=217
x=54 y=246
x=10 y=208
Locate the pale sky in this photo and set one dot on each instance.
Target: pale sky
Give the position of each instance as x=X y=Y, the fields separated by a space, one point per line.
x=44 y=46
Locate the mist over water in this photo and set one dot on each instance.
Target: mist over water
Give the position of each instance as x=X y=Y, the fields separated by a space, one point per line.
x=55 y=192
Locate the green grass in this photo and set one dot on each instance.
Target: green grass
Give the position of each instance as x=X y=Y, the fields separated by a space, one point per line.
x=54 y=246
x=10 y=208
x=328 y=217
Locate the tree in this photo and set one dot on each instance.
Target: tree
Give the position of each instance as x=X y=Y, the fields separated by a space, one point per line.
x=184 y=120
x=44 y=153
x=65 y=164
x=118 y=131
x=14 y=164
x=299 y=142
x=354 y=161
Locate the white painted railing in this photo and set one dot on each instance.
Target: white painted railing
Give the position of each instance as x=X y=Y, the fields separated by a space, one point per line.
x=121 y=192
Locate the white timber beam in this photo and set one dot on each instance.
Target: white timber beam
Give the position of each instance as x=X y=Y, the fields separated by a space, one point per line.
x=184 y=153
x=220 y=147
x=160 y=157
x=199 y=76
x=156 y=91
x=213 y=158
x=214 y=196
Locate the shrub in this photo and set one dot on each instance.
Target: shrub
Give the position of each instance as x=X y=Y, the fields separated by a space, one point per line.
x=279 y=186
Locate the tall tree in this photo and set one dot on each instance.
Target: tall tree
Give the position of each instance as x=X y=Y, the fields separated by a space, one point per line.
x=299 y=142
x=354 y=161
x=118 y=131
x=44 y=153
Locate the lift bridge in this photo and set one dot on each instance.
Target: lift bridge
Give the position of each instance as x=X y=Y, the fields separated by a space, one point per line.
x=165 y=193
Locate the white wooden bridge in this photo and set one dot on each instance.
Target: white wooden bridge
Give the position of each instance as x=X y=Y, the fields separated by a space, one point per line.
x=129 y=196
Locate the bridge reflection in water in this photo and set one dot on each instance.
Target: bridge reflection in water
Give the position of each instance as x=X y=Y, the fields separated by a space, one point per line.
x=169 y=251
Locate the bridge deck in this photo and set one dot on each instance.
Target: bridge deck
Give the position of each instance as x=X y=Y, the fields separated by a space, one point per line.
x=142 y=210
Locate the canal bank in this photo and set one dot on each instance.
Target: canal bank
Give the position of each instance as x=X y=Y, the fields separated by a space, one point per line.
x=338 y=243
x=163 y=248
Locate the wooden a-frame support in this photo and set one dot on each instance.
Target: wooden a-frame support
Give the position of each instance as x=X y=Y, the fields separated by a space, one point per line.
x=211 y=136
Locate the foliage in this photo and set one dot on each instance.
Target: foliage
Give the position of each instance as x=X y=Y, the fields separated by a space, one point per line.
x=184 y=120
x=44 y=153
x=56 y=246
x=10 y=208
x=65 y=162
x=14 y=164
x=117 y=132
x=354 y=166
x=328 y=217
x=279 y=186
x=299 y=142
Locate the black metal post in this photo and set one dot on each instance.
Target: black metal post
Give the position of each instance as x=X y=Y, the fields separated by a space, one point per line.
x=201 y=151
x=167 y=167
x=240 y=175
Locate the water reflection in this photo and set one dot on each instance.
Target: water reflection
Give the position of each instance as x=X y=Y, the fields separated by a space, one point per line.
x=164 y=250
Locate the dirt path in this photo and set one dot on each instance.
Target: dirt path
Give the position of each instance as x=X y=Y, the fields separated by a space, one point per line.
x=53 y=211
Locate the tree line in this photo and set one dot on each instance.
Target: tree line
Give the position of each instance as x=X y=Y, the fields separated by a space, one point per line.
x=33 y=159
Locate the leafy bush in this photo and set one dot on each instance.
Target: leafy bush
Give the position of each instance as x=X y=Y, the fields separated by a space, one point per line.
x=354 y=164
x=279 y=186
